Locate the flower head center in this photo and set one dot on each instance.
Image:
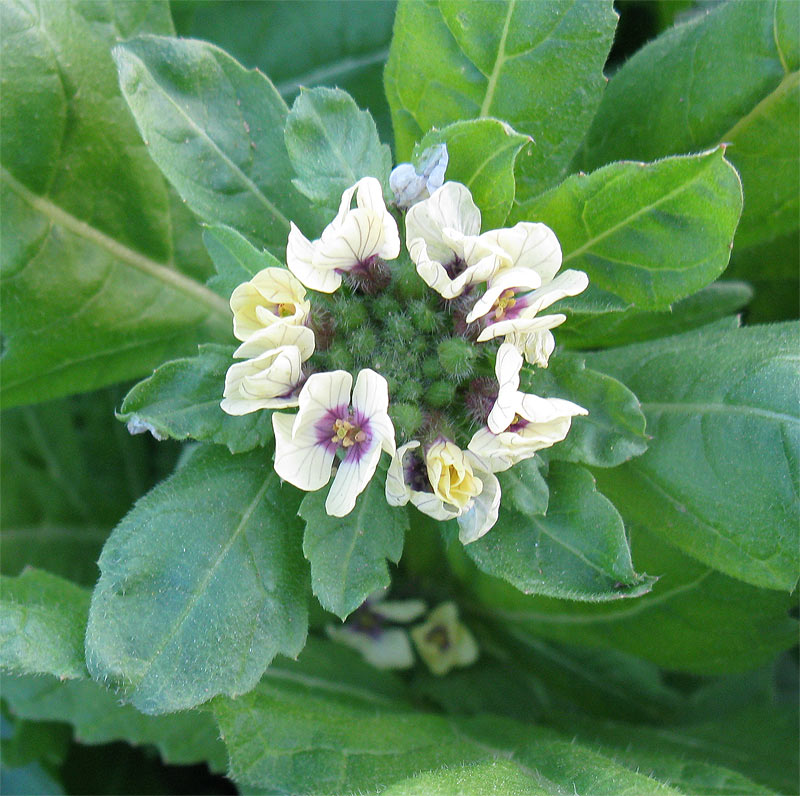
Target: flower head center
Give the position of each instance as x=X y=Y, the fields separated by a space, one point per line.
x=346 y=433
x=439 y=637
x=286 y=309
x=506 y=301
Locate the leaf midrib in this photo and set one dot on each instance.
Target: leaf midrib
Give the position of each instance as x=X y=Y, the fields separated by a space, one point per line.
x=715 y=408
x=174 y=279
x=201 y=587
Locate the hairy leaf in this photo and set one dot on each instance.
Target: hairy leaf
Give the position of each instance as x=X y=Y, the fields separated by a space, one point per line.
x=216 y=131
x=92 y=289
x=200 y=585
x=482 y=153
x=348 y=554
x=332 y=144
x=42 y=622
x=577 y=550
x=708 y=623
x=537 y=66
x=648 y=233
x=720 y=478
x=181 y=401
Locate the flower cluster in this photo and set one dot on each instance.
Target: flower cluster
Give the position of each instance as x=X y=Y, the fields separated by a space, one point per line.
x=450 y=358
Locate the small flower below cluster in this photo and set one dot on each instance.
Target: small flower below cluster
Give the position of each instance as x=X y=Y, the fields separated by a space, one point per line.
x=443 y=641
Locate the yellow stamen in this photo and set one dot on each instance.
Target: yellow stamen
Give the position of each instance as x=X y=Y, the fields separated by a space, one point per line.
x=346 y=434
x=505 y=302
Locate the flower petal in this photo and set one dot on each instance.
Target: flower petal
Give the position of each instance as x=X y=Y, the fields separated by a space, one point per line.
x=299 y=259
x=507 y=367
x=397 y=491
x=323 y=393
x=529 y=245
x=352 y=477
x=275 y=336
x=300 y=458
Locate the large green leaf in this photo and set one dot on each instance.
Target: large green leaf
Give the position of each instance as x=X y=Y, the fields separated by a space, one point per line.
x=537 y=66
x=200 y=585
x=577 y=550
x=720 y=478
x=325 y=737
x=597 y=319
x=91 y=287
x=216 y=131
x=311 y=43
x=482 y=153
x=332 y=144
x=611 y=433
x=181 y=401
x=348 y=554
x=42 y=622
x=98 y=718
x=707 y=622
x=730 y=76
x=648 y=233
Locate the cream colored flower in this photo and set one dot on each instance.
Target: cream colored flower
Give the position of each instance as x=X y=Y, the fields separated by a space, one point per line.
x=353 y=240
x=270 y=376
x=447 y=484
x=442 y=236
x=369 y=631
x=443 y=641
x=272 y=295
x=527 y=245
x=411 y=185
x=520 y=423
x=307 y=444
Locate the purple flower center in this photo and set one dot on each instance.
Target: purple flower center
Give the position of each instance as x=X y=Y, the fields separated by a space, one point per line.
x=341 y=429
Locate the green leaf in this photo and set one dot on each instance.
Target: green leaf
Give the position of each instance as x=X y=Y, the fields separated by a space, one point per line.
x=327 y=738
x=578 y=550
x=200 y=585
x=235 y=259
x=216 y=131
x=649 y=233
x=538 y=66
x=348 y=554
x=69 y=473
x=707 y=622
x=98 y=718
x=596 y=320
x=91 y=287
x=730 y=76
x=525 y=487
x=344 y=44
x=611 y=433
x=181 y=401
x=42 y=622
x=332 y=144
x=720 y=478
x=482 y=153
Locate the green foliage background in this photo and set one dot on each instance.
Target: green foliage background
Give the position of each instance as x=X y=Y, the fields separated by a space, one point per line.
x=677 y=493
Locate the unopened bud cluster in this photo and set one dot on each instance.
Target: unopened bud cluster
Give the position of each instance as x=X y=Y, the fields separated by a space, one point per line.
x=418 y=328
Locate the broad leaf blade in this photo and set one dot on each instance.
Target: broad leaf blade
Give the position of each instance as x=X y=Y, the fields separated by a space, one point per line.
x=649 y=233
x=91 y=291
x=348 y=554
x=578 y=550
x=181 y=401
x=42 y=623
x=200 y=585
x=332 y=144
x=537 y=66
x=482 y=153
x=720 y=479
x=216 y=131
x=325 y=739
x=708 y=623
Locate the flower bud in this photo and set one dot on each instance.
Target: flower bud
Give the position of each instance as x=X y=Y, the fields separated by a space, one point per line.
x=407 y=419
x=362 y=342
x=424 y=317
x=350 y=314
x=440 y=394
x=456 y=356
x=339 y=357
